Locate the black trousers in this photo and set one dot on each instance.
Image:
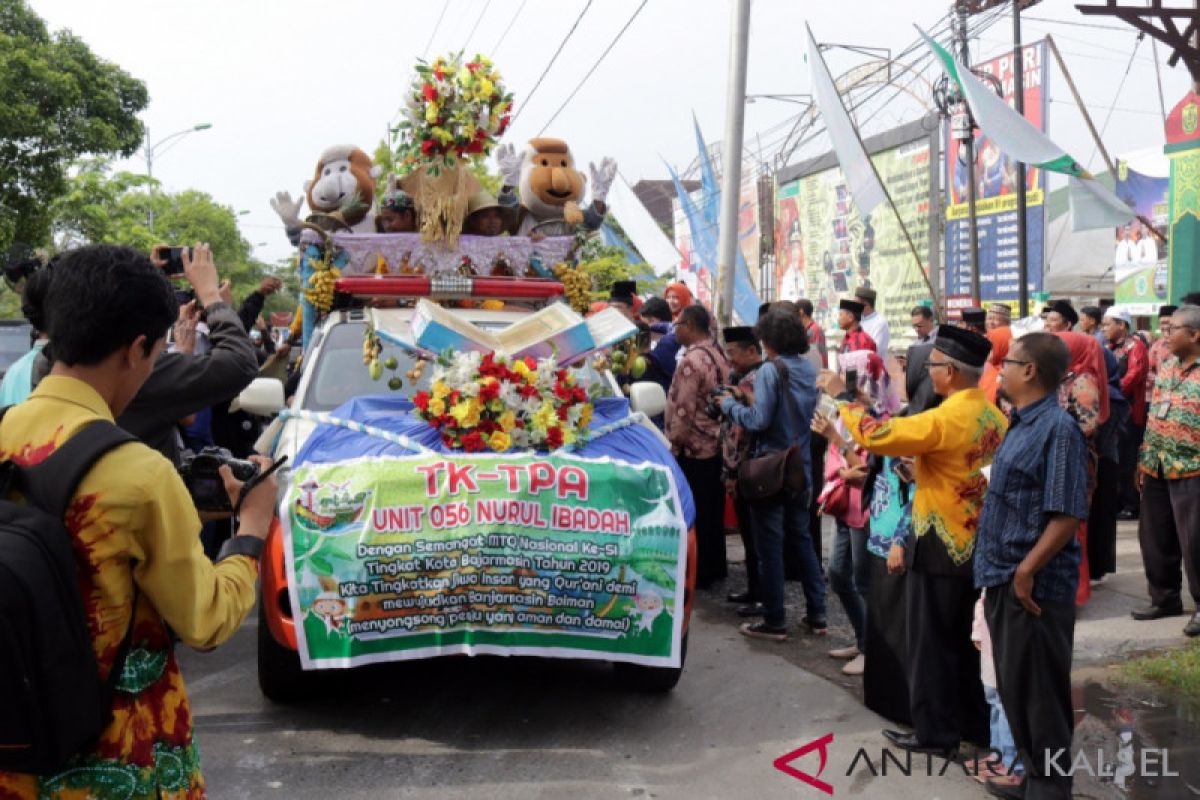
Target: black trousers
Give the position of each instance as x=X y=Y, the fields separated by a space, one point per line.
x=1128 y=446
x=708 y=493
x=944 y=690
x=1033 y=677
x=885 y=680
x=818 y=446
x=1102 y=520
x=1169 y=533
x=746 y=531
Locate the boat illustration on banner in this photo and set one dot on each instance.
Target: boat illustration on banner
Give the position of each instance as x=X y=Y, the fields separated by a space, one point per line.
x=329 y=514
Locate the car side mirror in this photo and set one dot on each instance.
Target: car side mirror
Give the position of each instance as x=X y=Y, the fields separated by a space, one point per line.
x=263 y=398
x=647 y=397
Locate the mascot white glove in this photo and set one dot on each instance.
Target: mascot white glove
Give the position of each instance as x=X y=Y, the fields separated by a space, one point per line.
x=602 y=178
x=509 y=162
x=288 y=209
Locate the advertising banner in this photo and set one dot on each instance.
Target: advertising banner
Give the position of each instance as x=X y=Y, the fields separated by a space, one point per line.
x=824 y=248
x=996 y=196
x=416 y=556
x=1140 y=260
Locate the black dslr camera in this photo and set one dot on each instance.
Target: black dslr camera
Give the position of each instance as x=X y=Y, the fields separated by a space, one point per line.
x=712 y=408
x=204 y=483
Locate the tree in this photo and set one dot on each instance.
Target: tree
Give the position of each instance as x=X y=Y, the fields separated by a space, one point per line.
x=102 y=208
x=58 y=102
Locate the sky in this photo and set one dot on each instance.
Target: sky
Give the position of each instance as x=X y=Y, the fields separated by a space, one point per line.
x=281 y=81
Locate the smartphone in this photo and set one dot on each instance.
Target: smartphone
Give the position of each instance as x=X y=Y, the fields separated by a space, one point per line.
x=852 y=380
x=903 y=471
x=174 y=258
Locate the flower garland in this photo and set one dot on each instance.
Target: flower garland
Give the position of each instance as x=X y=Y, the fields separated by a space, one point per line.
x=454 y=111
x=487 y=401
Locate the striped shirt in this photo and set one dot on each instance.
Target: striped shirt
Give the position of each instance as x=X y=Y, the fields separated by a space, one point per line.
x=1039 y=470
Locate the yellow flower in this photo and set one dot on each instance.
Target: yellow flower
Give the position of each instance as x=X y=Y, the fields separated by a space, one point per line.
x=440 y=390
x=441 y=134
x=545 y=416
x=568 y=436
x=585 y=415
x=520 y=368
x=437 y=407
x=507 y=421
x=499 y=441
x=431 y=113
x=466 y=412
x=485 y=88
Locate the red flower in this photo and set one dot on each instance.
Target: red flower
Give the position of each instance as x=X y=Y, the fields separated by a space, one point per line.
x=580 y=395
x=429 y=92
x=561 y=375
x=455 y=396
x=439 y=74
x=489 y=391
x=528 y=391
x=473 y=442
x=562 y=412
x=421 y=401
x=474 y=65
x=531 y=362
x=554 y=437
x=475 y=147
x=488 y=426
x=428 y=146
x=447 y=440
x=563 y=392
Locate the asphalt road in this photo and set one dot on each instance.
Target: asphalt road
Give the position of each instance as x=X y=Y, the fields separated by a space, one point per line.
x=498 y=728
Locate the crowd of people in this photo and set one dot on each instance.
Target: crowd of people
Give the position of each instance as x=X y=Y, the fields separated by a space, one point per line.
x=972 y=512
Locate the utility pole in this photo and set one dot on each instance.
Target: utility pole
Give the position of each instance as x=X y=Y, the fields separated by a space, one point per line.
x=1019 y=98
x=967 y=138
x=731 y=172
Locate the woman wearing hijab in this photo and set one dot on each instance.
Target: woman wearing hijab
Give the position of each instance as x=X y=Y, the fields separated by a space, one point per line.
x=1084 y=395
x=1106 y=499
x=678 y=297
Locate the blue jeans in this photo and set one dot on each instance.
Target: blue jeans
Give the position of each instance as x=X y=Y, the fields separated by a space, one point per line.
x=1002 y=738
x=773 y=522
x=850 y=576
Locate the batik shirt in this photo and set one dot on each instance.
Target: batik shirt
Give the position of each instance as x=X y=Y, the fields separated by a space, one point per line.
x=1172 y=441
x=689 y=430
x=131 y=519
x=735 y=440
x=1159 y=352
x=951 y=445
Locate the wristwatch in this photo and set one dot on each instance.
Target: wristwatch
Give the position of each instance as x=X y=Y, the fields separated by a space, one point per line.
x=241 y=546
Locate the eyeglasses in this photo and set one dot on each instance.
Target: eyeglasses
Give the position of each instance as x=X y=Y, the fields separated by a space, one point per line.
x=936 y=364
x=1014 y=361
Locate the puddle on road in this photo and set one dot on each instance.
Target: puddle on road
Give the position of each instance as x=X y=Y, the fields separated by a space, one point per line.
x=1135 y=745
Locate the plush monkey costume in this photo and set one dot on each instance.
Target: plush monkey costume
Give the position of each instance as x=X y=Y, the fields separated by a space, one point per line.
x=342 y=189
x=550 y=186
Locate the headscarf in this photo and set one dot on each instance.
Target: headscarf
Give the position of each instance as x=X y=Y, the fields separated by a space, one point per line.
x=1087 y=357
x=1000 y=338
x=685 y=297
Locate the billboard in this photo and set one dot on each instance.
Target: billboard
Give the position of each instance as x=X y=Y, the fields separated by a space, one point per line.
x=1140 y=269
x=824 y=248
x=996 y=197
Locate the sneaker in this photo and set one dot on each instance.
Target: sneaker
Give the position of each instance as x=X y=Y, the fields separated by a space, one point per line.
x=817 y=627
x=752 y=610
x=844 y=652
x=761 y=630
x=855 y=666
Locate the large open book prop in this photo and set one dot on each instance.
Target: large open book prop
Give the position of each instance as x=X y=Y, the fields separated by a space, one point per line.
x=404 y=253
x=557 y=331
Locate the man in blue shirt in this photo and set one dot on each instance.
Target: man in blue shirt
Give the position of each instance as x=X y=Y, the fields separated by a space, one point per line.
x=1027 y=557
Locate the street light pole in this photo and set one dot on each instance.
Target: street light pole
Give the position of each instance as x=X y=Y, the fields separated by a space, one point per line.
x=149 y=156
x=731 y=174
x=1019 y=97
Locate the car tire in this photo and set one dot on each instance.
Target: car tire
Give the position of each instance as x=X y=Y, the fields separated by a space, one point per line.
x=280 y=676
x=641 y=678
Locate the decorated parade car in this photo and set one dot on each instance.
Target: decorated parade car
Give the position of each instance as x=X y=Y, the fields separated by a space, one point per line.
x=471 y=465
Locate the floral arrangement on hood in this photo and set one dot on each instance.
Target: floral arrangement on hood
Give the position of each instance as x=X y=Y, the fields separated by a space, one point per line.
x=483 y=401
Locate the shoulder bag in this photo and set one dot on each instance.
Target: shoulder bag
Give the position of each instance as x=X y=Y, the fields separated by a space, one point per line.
x=779 y=475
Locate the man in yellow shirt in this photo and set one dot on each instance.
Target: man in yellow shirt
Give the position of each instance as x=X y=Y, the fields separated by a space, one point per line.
x=951 y=444
x=134 y=531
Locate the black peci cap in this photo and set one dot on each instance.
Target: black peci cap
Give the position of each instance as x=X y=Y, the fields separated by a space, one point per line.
x=853 y=306
x=1066 y=310
x=962 y=344
x=974 y=316
x=739 y=334
x=623 y=292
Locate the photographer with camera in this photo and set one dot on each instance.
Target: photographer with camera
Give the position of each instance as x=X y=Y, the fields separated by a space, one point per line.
x=694 y=436
x=133 y=541
x=784 y=398
x=745 y=356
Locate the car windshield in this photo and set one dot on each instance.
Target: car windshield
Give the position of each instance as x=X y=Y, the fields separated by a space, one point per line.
x=14 y=343
x=341 y=375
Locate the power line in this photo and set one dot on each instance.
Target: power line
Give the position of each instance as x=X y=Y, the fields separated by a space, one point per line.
x=553 y=58
x=475 y=27
x=436 y=25
x=511 y=22
x=607 y=50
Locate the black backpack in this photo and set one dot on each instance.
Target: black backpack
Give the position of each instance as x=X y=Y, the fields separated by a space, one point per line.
x=52 y=701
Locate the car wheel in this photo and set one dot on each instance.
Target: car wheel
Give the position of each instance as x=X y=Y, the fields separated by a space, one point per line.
x=280 y=676
x=641 y=678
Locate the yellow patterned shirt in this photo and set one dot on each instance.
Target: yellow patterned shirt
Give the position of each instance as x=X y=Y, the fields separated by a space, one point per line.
x=131 y=519
x=952 y=444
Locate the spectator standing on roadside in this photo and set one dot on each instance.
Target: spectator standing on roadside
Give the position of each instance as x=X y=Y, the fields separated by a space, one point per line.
x=18 y=379
x=1027 y=557
x=133 y=528
x=1134 y=360
x=850 y=313
x=1169 y=476
x=695 y=437
x=745 y=357
x=1159 y=350
x=922 y=324
x=874 y=323
x=816 y=336
x=999 y=315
